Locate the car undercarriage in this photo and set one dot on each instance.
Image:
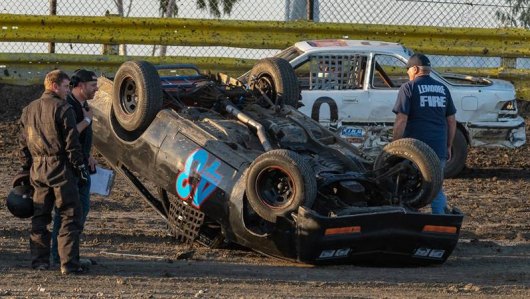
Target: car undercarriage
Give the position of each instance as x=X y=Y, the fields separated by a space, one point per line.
x=225 y=162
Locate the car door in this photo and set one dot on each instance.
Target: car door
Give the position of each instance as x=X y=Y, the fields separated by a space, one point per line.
x=387 y=74
x=371 y=128
x=333 y=87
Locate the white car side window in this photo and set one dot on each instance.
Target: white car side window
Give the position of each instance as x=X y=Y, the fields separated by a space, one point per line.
x=332 y=72
x=388 y=72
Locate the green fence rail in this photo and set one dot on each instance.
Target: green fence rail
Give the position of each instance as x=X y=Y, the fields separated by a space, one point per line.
x=506 y=43
x=30 y=68
x=258 y=34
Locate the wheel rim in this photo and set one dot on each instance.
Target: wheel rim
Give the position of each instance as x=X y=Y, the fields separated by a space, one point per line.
x=275 y=187
x=128 y=96
x=266 y=84
x=408 y=182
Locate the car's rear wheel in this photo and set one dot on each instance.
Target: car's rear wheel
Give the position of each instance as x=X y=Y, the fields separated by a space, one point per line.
x=410 y=171
x=278 y=182
x=276 y=79
x=137 y=95
x=458 y=155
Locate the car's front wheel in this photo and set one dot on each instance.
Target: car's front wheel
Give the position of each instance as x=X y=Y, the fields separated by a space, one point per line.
x=410 y=172
x=278 y=182
x=275 y=78
x=137 y=95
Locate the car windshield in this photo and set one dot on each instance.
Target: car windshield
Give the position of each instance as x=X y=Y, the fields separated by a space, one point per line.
x=289 y=53
x=389 y=71
x=439 y=75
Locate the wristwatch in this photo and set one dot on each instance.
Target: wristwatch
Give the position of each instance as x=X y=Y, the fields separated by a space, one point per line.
x=88 y=120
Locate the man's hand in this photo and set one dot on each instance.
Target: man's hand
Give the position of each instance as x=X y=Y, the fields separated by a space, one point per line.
x=87 y=118
x=451 y=131
x=82 y=173
x=399 y=126
x=92 y=164
x=88 y=113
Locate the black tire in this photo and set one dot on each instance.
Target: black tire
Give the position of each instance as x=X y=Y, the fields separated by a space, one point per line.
x=459 y=155
x=137 y=95
x=276 y=78
x=422 y=178
x=278 y=182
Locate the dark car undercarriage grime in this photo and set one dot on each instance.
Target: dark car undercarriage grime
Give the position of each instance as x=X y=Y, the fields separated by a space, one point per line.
x=238 y=163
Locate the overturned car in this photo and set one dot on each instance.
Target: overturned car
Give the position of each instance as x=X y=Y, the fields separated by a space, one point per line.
x=224 y=162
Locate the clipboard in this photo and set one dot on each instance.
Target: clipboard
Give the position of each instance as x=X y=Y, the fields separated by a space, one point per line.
x=102 y=181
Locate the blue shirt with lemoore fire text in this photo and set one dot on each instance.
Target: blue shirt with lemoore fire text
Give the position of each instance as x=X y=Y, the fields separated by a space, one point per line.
x=427 y=103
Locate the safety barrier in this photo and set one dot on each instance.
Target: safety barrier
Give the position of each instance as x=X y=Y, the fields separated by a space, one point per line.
x=30 y=68
x=506 y=43
x=258 y=34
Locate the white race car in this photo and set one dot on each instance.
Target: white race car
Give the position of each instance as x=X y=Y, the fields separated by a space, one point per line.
x=351 y=86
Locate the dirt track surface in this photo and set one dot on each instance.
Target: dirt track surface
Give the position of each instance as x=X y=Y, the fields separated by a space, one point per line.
x=137 y=259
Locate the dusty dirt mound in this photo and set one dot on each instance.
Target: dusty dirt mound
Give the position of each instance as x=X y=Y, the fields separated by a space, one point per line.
x=136 y=258
x=13 y=98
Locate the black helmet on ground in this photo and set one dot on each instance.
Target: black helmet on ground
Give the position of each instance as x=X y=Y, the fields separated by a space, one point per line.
x=20 y=201
x=21 y=178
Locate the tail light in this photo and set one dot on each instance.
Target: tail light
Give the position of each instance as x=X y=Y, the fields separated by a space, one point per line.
x=440 y=229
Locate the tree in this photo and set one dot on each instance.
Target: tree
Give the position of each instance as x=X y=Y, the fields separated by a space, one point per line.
x=121 y=13
x=169 y=9
x=120 y=7
x=518 y=14
x=214 y=6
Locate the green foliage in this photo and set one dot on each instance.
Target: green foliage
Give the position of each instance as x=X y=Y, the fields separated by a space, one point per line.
x=168 y=11
x=214 y=6
x=518 y=14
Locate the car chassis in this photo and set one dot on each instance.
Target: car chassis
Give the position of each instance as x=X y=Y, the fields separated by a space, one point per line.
x=223 y=162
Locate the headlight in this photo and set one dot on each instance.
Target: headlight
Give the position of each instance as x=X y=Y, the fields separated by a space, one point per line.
x=509 y=105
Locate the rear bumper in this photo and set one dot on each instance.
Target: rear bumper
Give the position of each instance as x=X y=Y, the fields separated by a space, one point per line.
x=394 y=235
x=510 y=133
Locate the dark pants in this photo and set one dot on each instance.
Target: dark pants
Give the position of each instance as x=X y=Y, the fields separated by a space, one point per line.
x=66 y=199
x=84 y=197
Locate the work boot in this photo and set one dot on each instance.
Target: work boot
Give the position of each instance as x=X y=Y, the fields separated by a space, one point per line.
x=41 y=267
x=78 y=271
x=86 y=263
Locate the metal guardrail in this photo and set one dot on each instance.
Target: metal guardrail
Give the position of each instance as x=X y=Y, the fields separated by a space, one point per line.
x=29 y=68
x=258 y=34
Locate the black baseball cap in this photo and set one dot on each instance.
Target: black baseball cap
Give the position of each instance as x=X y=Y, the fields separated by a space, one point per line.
x=85 y=76
x=418 y=60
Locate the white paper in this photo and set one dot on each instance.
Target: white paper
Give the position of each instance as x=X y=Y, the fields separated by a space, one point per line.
x=101 y=182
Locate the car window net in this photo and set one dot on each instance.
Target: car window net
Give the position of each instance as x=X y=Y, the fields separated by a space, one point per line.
x=337 y=72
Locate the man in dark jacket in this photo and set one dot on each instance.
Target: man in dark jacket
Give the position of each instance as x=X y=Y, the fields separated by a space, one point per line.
x=84 y=86
x=425 y=110
x=51 y=150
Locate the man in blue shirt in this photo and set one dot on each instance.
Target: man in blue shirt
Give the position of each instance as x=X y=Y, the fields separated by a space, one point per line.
x=424 y=110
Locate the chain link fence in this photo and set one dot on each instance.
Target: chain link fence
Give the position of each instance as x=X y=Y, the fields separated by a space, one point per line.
x=442 y=13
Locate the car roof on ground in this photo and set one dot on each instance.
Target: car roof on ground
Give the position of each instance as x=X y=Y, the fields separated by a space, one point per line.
x=348 y=45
